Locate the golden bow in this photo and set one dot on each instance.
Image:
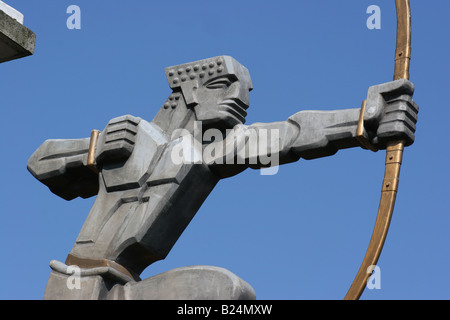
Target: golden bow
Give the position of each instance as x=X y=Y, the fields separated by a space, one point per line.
x=394 y=154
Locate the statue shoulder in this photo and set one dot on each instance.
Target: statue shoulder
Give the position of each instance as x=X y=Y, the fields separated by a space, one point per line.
x=131 y=173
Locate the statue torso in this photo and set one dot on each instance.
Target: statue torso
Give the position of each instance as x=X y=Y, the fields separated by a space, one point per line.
x=144 y=204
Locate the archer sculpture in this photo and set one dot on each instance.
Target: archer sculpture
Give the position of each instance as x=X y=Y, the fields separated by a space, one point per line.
x=150 y=178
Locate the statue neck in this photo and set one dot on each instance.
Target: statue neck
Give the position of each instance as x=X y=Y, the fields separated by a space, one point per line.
x=174 y=114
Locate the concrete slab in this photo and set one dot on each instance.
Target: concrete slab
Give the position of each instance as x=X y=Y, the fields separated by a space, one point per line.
x=16 y=40
x=10 y=11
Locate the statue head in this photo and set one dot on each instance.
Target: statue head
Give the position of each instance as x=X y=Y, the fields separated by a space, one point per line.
x=217 y=89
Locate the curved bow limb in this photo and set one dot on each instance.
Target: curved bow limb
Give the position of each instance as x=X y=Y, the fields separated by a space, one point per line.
x=394 y=154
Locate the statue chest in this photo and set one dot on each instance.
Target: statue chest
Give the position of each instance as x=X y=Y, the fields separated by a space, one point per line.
x=156 y=161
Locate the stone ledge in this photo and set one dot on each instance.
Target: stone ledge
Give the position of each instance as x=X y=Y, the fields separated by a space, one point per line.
x=10 y=11
x=16 y=40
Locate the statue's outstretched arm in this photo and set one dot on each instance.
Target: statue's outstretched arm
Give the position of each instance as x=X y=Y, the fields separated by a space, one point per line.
x=390 y=115
x=323 y=133
x=306 y=134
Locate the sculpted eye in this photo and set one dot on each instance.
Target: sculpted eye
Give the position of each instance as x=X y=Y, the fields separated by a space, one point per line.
x=219 y=83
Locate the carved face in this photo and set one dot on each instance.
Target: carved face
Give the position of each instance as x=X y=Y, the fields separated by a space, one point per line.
x=216 y=88
x=223 y=101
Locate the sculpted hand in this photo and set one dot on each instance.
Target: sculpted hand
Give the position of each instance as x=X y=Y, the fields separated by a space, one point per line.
x=116 y=142
x=391 y=113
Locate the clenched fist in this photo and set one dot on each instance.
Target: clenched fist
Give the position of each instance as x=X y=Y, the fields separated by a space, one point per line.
x=116 y=142
x=391 y=113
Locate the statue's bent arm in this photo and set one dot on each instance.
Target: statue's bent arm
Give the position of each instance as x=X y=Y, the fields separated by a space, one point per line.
x=62 y=166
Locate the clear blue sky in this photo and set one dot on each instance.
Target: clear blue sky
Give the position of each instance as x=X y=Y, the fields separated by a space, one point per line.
x=300 y=234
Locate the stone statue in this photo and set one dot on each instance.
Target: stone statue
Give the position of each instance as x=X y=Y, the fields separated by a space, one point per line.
x=150 y=178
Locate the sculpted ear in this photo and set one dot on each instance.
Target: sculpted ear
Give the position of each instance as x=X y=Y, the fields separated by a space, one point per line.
x=189 y=90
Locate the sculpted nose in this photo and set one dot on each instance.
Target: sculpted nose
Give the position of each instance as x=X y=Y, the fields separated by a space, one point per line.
x=240 y=92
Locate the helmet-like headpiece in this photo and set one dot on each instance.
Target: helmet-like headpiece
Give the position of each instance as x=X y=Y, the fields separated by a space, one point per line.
x=203 y=70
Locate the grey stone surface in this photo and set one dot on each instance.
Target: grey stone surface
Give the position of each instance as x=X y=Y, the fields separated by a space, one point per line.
x=92 y=288
x=61 y=165
x=188 y=283
x=146 y=196
x=16 y=40
x=391 y=114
